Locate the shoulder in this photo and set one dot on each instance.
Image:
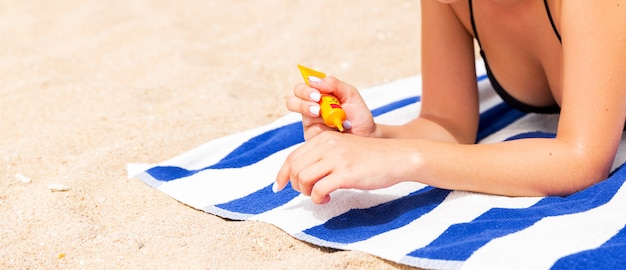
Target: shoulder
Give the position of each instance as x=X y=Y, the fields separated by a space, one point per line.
x=460 y=11
x=597 y=16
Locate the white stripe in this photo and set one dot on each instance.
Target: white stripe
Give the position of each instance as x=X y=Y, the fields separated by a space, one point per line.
x=541 y=245
x=432 y=264
x=384 y=94
x=458 y=207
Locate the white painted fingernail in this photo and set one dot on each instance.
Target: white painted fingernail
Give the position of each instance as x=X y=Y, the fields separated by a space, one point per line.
x=275 y=187
x=347 y=124
x=315 y=110
x=315 y=96
x=314 y=79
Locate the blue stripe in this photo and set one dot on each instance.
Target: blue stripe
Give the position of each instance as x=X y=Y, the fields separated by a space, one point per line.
x=608 y=256
x=459 y=241
x=395 y=105
x=360 y=224
x=260 y=201
x=533 y=134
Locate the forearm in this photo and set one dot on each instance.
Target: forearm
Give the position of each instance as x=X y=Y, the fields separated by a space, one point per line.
x=427 y=129
x=529 y=167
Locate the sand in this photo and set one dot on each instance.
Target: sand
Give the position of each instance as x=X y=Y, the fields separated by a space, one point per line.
x=89 y=86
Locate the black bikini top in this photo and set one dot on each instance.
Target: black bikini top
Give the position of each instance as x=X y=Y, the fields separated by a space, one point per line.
x=496 y=85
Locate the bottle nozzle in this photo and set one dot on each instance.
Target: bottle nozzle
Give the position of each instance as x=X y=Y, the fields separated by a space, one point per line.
x=339 y=125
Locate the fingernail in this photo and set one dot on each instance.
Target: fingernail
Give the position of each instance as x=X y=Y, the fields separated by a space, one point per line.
x=347 y=124
x=275 y=187
x=315 y=96
x=314 y=79
x=315 y=110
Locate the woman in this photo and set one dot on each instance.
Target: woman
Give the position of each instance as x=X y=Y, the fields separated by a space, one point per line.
x=575 y=53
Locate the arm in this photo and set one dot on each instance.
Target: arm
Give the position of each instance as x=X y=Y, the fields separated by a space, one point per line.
x=449 y=81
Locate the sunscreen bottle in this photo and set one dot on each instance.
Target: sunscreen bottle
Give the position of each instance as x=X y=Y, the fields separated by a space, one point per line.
x=330 y=107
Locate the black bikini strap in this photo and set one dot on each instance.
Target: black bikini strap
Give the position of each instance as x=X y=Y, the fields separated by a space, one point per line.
x=471 y=10
x=545 y=2
x=556 y=31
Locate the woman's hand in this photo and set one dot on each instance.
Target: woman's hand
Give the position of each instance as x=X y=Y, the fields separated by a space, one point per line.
x=305 y=101
x=333 y=160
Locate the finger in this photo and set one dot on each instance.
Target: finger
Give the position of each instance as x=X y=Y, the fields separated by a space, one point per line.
x=310 y=175
x=306 y=92
x=307 y=108
x=314 y=130
x=320 y=193
x=282 y=178
x=333 y=86
x=294 y=163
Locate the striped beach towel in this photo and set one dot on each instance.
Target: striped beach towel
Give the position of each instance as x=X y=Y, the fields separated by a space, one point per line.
x=408 y=223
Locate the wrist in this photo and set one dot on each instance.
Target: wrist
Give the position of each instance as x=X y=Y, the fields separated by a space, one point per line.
x=378 y=132
x=408 y=161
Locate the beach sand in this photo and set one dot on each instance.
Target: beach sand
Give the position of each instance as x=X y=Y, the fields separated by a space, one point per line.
x=90 y=86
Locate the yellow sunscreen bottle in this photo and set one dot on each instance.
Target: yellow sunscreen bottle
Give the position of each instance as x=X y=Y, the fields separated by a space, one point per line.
x=331 y=112
x=330 y=107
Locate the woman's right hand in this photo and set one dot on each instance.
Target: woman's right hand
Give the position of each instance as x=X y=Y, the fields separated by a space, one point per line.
x=305 y=102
